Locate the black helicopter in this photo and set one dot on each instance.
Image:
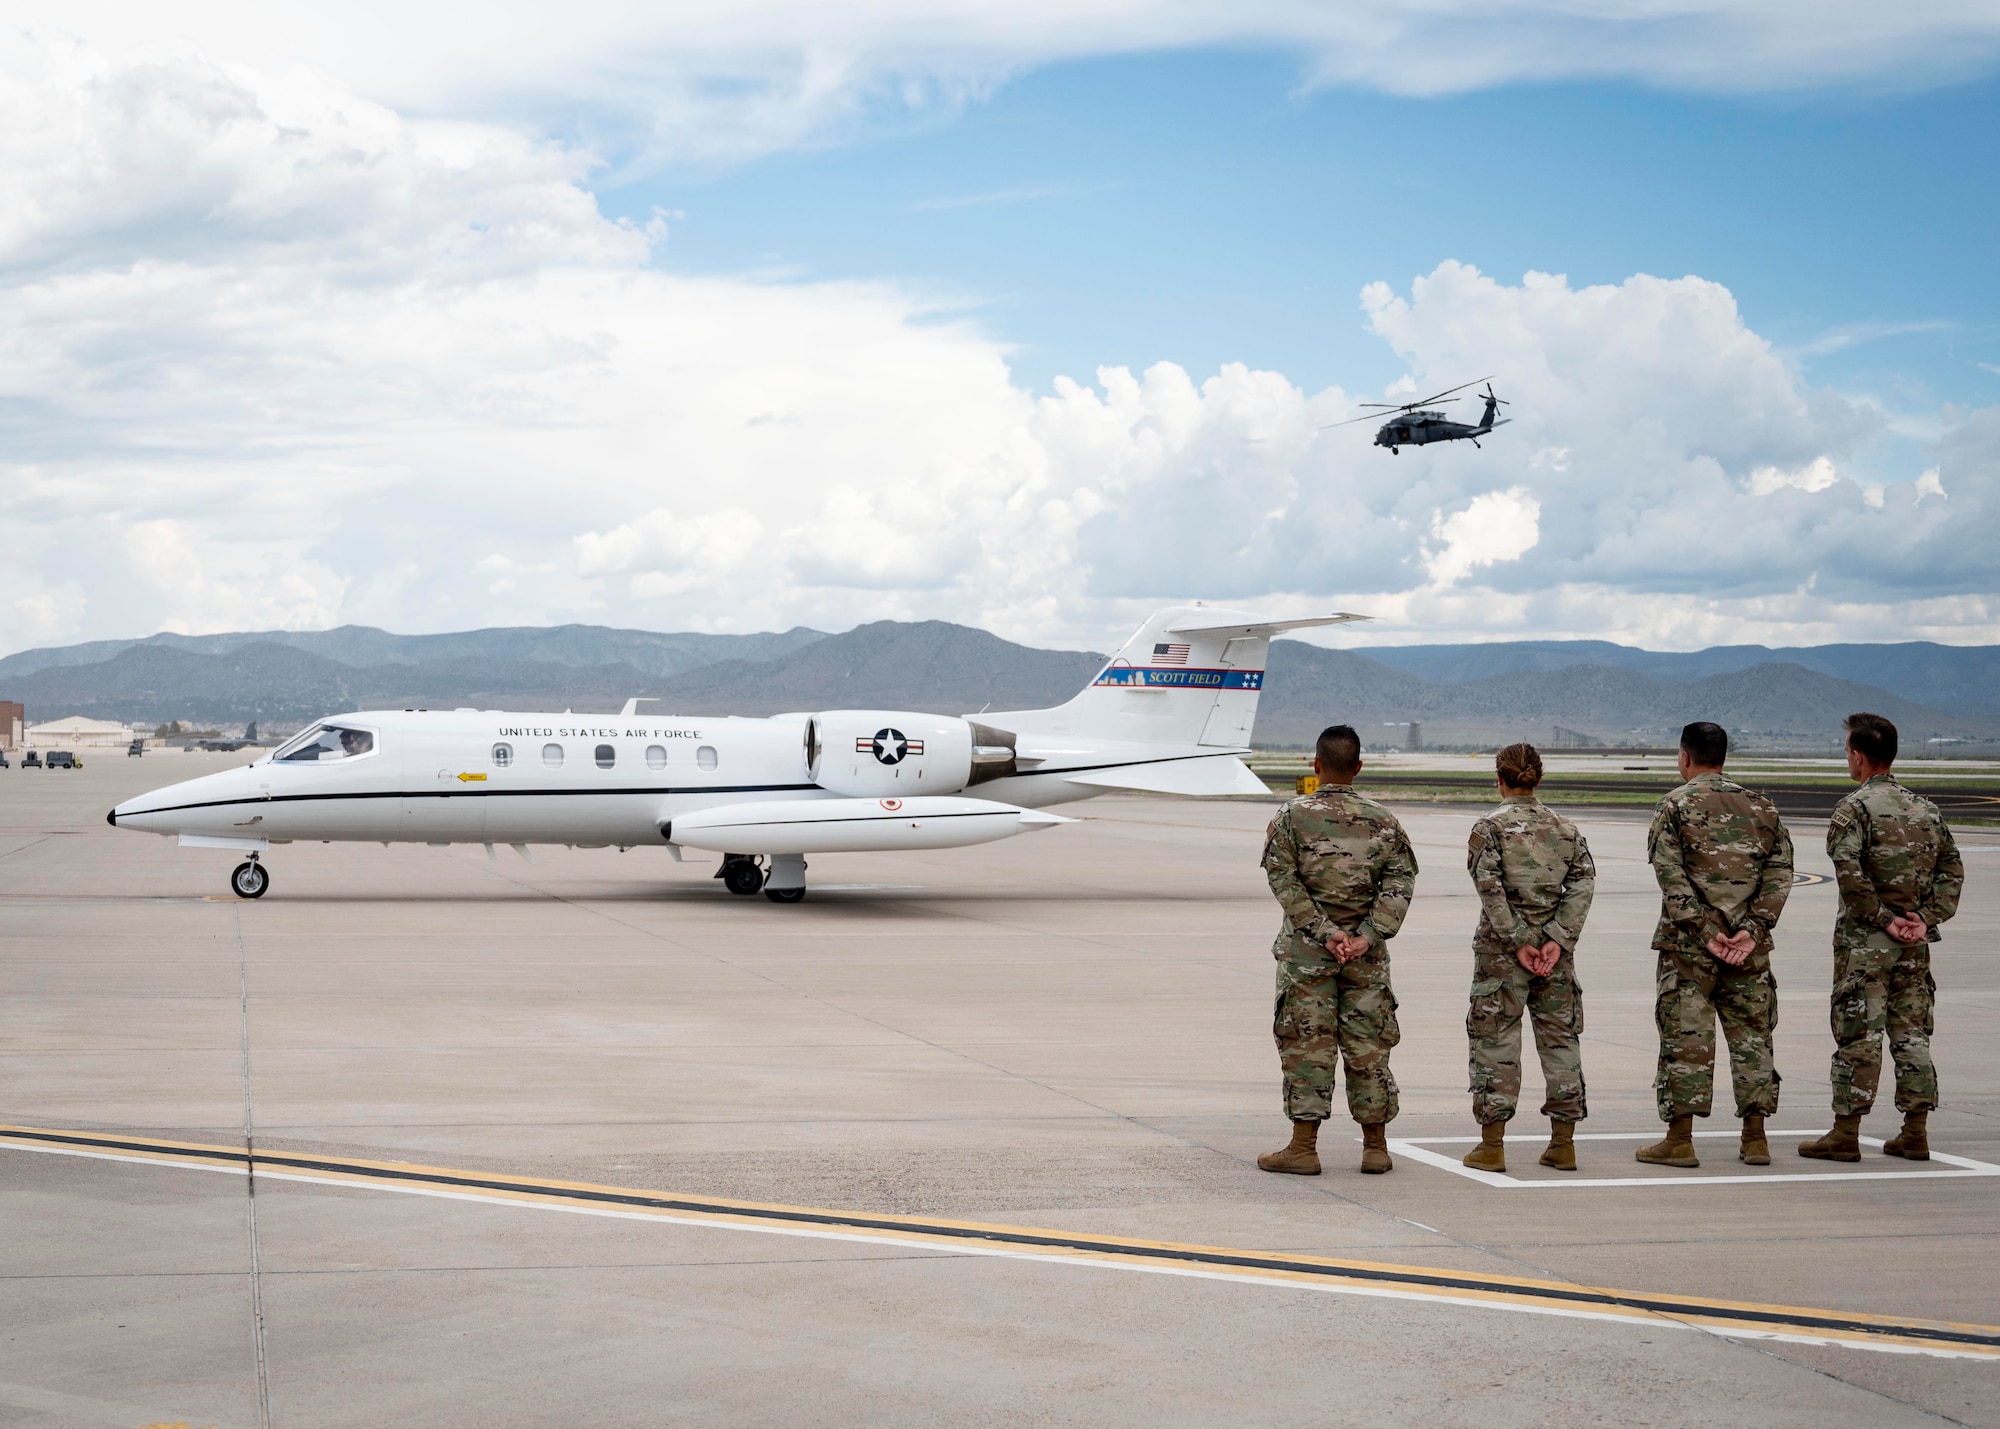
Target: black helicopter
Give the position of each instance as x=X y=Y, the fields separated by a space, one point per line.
x=1411 y=426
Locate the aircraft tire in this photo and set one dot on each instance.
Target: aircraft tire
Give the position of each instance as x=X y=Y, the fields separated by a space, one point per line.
x=743 y=878
x=785 y=895
x=249 y=880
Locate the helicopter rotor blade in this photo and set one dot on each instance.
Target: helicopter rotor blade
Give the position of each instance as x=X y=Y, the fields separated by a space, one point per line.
x=1449 y=390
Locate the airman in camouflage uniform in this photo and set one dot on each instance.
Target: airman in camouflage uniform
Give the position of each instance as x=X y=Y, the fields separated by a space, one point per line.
x=1534 y=875
x=1343 y=872
x=1900 y=875
x=1723 y=860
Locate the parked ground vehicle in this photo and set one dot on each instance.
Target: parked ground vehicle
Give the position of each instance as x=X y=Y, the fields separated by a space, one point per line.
x=3 y=759
x=61 y=759
x=31 y=760
x=138 y=749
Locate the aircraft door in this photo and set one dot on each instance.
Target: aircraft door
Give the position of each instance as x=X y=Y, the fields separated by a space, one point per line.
x=444 y=791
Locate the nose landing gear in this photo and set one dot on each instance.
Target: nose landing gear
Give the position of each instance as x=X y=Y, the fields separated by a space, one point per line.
x=250 y=879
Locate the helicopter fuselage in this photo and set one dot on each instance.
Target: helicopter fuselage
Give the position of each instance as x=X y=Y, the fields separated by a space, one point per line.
x=1416 y=429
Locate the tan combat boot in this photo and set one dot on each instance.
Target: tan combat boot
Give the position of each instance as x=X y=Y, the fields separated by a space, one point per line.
x=1561 y=1155
x=1843 y=1143
x=1913 y=1142
x=1675 y=1149
x=1301 y=1158
x=1491 y=1152
x=1375 y=1148
x=1755 y=1151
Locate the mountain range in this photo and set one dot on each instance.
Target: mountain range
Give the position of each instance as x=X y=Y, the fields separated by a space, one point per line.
x=1469 y=695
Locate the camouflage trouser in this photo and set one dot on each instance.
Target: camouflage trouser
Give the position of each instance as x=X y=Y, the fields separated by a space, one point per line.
x=1501 y=990
x=1880 y=985
x=1327 y=1011
x=1695 y=989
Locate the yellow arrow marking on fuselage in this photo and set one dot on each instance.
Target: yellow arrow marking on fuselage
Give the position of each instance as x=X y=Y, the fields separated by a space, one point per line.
x=472 y=778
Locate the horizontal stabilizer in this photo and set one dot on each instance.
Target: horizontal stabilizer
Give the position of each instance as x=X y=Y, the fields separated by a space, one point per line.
x=1218 y=774
x=1258 y=626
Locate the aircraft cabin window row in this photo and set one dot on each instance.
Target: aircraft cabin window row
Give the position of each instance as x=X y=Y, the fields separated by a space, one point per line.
x=503 y=753
x=328 y=744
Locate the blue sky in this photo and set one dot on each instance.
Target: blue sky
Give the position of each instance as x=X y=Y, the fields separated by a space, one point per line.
x=1209 y=207
x=740 y=314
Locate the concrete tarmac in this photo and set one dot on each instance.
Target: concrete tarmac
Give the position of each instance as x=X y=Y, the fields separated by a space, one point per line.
x=1069 y=1030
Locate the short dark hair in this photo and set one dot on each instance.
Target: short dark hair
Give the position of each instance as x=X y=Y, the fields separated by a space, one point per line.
x=1871 y=736
x=1519 y=765
x=1339 y=748
x=1706 y=744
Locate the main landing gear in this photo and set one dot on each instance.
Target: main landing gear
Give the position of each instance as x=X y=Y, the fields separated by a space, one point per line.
x=785 y=882
x=250 y=879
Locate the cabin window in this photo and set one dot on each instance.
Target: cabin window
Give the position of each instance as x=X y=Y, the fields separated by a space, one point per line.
x=503 y=755
x=656 y=756
x=552 y=756
x=606 y=756
x=705 y=756
x=328 y=744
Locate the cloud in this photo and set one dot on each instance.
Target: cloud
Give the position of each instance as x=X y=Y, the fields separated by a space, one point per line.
x=718 y=80
x=1499 y=526
x=272 y=354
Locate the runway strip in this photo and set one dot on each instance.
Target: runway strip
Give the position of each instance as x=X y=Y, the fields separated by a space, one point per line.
x=1346 y=1277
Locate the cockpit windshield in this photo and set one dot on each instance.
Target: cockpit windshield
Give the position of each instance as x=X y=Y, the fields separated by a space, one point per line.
x=327 y=744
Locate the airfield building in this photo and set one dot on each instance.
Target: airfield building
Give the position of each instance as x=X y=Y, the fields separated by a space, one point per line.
x=76 y=732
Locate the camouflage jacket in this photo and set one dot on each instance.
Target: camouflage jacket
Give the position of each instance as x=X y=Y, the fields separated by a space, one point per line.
x=1893 y=854
x=1534 y=875
x=1724 y=863
x=1338 y=862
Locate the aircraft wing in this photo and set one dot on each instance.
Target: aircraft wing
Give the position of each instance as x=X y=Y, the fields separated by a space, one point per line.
x=1214 y=774
x=1259 y=625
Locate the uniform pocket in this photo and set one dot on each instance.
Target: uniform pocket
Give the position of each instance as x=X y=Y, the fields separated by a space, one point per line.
x=1485 y=1015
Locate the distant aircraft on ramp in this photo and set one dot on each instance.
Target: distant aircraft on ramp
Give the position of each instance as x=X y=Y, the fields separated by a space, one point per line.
x=1171 y=713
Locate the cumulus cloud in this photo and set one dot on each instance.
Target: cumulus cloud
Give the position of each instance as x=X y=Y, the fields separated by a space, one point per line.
x=721 y=79
x=275 y=355
x=1499 y=526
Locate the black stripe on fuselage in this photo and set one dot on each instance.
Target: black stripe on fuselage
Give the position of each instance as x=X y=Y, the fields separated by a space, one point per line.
x=657 y=792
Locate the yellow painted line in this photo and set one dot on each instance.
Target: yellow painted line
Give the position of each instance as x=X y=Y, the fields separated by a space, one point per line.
x=1340 y=1276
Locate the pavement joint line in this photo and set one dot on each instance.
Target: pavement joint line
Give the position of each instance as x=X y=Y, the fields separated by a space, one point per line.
x=1728 y=1319
x=1413 y=1147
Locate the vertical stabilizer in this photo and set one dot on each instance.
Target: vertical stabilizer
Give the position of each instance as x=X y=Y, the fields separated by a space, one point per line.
x=1190 y=676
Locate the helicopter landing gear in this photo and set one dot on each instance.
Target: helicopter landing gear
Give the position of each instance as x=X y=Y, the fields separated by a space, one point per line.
x=740 y=874
x=250 y=879
x=787 y=883
x=1395 y=451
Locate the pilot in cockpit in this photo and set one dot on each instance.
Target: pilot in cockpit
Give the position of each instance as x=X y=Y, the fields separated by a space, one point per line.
x=354 y=742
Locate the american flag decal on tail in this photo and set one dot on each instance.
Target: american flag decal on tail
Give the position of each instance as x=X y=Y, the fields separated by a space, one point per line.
x=1170 y=654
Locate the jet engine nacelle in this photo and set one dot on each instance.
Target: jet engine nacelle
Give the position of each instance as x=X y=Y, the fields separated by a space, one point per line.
x=872 y=754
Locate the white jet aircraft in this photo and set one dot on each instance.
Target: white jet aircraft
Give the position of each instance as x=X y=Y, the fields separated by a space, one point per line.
x=1170 y=713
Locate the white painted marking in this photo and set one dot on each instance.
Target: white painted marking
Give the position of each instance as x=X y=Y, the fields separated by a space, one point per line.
x=1414 y=1149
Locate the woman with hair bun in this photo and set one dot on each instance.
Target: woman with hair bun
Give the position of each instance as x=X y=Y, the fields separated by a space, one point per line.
x=1533 y=872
